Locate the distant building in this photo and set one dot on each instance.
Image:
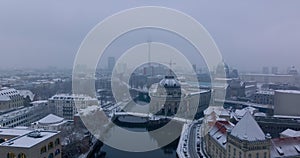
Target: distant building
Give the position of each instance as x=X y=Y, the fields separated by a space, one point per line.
x=264 y=97
x=222 y=70
x=274 y=70
x=226 y=88
x=195 y=68
x=25 y=143
x=111 y=63
x=265 y=70
x=270 y=78
x=24 y=116
x=277 y=124
x=250 y=88
x=10 y=98
x=293 y=71
x=64 y=104
x=50 y=122
x=286 y=102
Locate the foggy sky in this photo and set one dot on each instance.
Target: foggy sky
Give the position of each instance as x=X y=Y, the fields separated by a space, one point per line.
x=252 y=34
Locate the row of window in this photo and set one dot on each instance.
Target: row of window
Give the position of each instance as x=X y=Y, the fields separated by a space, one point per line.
x=13 y=155
x=22 y=155
x=50 y=146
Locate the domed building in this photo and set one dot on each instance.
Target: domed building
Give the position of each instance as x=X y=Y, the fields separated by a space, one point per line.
x=167 y=95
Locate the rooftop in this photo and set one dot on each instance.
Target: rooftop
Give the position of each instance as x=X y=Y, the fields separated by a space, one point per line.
x=290 y=133
x=219 y=132
x=287 y=147
x=71 y=97
x=13 y=131
x=29 y=140
x=270 y=92
x=248 y=129
x=51 y=119
x=288 y=91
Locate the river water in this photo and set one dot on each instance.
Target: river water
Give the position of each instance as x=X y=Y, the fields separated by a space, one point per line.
x=168 y=151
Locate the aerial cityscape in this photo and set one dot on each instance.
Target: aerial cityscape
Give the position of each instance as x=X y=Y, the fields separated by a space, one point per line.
x=149 y=79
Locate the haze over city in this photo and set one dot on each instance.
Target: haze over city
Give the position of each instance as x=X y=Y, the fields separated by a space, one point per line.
x=149 y=79
x=250 y=34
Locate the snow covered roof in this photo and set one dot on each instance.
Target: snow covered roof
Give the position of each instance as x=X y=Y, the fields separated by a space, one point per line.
x=285 y=147
x=239 y=113
x=26 y=93
x=288 y=91
x=219 y=132
x=13 y=131
x=6 y=93
x=51 y=119
x=4 y=98
x=266 y=92
x=248 y=129
x=27 y=141
x=72 y=97
x=290 y=133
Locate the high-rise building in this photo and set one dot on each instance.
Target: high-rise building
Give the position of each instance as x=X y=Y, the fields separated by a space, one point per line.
x=274 y=70
x=111 y=63
x=265 y=70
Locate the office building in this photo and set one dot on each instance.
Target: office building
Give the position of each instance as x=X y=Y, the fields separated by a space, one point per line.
x=66 y=105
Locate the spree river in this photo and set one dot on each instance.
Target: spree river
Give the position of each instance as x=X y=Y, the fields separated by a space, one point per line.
x=168 y=151
x=106 y=151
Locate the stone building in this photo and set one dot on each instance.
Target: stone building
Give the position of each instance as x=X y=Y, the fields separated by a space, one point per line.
x=167 y=95
x=244 y=140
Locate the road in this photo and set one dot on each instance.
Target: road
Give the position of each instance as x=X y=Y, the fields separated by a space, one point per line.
x=192 y=142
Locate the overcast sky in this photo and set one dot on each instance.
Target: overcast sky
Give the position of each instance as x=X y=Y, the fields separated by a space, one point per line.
x=252 y=34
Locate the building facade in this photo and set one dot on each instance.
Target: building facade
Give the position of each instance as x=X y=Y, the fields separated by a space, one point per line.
x=286 y=102
x=167 y=96
x=264 y=97
x=66 y=105
x=31 y=144
x=24 y=116
x=10 y=98
x=244 y=140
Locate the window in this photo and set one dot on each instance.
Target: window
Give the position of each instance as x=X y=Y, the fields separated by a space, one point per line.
x=57 y=142
x=50 y=145
x=21 y=155
x=51 y=155
x=234 y=151
x=265 y=154
x=57 y=152
x=11 y=155
x=43 y=149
